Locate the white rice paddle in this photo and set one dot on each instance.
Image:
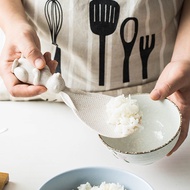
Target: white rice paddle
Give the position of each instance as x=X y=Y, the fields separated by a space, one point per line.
x=89 y=107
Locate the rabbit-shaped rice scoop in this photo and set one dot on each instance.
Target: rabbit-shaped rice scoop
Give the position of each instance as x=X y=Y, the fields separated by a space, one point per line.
x=90 y=108
x=27 y=73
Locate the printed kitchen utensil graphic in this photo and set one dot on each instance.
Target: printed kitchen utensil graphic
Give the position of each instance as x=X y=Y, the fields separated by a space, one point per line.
x=128 y=45
x=146 y=48
x=104 y=15
x=54 y=16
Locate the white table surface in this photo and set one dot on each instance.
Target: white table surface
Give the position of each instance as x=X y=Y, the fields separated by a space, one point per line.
x=45 y=139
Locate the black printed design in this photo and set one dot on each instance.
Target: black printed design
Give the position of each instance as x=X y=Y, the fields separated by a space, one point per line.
x=128 y=46
x=54 y=16
x=146 y=48
x=104 y=15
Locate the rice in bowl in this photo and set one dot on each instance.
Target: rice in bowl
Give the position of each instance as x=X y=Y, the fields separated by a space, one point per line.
x=124 y=114
x=103 y=186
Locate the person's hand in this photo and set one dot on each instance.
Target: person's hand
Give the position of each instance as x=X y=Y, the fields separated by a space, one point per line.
x=174 y=83
x=23 y=41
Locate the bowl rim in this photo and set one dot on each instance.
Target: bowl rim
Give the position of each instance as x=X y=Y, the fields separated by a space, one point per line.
x=152 y=150
x=108 y=168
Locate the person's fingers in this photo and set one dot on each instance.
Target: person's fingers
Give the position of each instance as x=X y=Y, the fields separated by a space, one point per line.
x=24 y=90
x=173 y=84
x=167 y=84
x=183 y=134
x=178 y=99
x=52 y=64
x=18 y=89
x=47 y=56
x=30 y=49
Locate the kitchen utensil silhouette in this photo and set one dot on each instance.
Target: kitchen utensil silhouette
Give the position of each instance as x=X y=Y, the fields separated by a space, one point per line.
x=104 y=15
x=54 y=16
x=145 y=50
x=128 y=46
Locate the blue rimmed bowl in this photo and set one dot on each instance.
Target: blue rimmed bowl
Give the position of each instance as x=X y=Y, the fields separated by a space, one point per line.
x=72 y=179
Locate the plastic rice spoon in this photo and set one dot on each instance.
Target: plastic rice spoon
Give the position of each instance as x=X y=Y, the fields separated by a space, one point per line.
x=89 y=107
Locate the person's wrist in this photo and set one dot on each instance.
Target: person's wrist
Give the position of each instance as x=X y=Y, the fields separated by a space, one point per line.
x=17 y=27
x=181 y=58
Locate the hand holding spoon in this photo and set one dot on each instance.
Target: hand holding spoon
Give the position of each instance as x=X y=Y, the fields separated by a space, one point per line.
x=89 y=107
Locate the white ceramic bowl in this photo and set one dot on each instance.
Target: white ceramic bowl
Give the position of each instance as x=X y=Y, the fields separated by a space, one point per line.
x=161 y=123
x=70 y=180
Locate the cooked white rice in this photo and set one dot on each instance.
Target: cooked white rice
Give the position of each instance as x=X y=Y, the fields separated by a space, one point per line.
x=103 y=186
x=124 y=113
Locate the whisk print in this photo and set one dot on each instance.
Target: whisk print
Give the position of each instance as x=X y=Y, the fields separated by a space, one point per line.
x=54 y=16
x=103 y=21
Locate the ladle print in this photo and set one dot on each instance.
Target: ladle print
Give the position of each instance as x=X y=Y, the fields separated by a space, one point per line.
x=54 y=16
x=128 y=45
x=104 y=15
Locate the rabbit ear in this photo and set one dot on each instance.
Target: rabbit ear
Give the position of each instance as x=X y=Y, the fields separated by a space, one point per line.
x=14 y=65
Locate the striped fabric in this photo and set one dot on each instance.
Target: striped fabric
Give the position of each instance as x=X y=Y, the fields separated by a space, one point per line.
x=141 y=38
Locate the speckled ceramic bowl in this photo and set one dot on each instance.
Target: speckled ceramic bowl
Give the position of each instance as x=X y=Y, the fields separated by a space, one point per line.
x=161 y=123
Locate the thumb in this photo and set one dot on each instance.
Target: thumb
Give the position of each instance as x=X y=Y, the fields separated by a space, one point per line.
x=167 y=84
x=160 y=92
x=33 y=54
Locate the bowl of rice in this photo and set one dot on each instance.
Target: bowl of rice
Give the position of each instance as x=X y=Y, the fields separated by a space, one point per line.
x=156 y=134
x=96 y=178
